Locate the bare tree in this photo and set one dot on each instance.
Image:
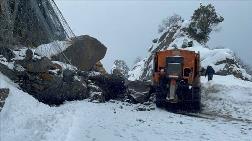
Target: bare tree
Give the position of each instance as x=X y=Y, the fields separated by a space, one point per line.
x=169 y=21
x=138 y=59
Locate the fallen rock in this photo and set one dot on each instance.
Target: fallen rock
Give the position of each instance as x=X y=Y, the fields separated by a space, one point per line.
x=99 y=68
x=113 y=86
x=96 y=94
x=68 y=75
x=52 y=90
x=84 y=52
x=139 y=97
x=139 y=91
x=7 y=53
x=8 y=72
x=142 y=107
x=3 y=95
x=37 y=79
x=61 y=92
x=39 y=66
x=97 y=97
x=31 y=65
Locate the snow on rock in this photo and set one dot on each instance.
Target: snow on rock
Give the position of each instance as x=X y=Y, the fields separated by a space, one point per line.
x=65 y=66
x=4 y=61
x=222 y=60
x=24 y=118
x=52 y=48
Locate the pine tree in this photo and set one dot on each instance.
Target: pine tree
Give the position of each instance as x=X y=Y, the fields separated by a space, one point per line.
x=203 y=21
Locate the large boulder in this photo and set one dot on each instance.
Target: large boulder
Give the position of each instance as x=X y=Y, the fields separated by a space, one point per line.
x=84 y=52
x=37 y=78
x=52 y=90
x=32 y=65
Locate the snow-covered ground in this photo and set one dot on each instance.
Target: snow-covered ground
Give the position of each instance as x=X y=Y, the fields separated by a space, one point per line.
x=227 y=96
x=25 y=119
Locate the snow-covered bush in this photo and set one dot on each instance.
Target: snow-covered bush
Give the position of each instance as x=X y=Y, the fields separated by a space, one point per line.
x=120 y=67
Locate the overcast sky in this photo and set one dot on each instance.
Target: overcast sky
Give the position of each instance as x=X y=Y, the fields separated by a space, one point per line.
x=128 y=27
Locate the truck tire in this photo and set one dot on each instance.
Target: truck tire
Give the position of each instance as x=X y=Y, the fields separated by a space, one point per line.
x=159 y=103
x=159 y=99
x=196 y=104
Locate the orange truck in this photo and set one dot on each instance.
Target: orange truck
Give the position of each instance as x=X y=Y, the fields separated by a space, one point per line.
x=176 y=78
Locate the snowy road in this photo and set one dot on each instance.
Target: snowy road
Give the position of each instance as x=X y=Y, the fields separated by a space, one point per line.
x=25 y=119
x=78 y=121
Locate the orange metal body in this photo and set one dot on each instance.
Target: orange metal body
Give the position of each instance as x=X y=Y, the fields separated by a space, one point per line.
x=191 y=61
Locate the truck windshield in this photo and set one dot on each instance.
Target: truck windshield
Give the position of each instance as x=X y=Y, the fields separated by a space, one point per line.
x=174 y=68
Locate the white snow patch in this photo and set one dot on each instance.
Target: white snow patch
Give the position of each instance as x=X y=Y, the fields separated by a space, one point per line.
x=65 y=66
x=52 y=48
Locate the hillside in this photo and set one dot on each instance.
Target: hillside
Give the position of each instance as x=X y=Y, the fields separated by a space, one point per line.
x=59 y=91
x=222 y=60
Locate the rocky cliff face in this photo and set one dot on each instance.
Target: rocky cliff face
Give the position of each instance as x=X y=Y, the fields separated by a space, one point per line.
x=30 y=22
x=222 y=60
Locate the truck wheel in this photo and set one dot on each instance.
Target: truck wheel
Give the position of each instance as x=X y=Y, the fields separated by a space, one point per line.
x=196 y=99
x=196 y=93
x=196 y=106
x=159 y=103
x=158 y=99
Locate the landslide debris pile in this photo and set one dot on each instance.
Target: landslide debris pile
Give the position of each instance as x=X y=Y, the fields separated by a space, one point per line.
x=55 y=67
x=54 y=82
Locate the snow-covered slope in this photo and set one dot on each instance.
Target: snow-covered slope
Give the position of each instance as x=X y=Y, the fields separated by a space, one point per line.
x=222 y=60
x=24 y=118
